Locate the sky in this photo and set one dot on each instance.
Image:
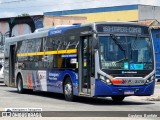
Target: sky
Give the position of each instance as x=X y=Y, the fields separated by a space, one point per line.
x=12 y=8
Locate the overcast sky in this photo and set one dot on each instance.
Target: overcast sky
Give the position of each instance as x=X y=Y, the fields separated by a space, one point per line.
x=11 y=8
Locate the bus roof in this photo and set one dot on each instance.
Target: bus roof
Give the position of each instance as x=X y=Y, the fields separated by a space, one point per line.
x=42 y=32
x=50 y=31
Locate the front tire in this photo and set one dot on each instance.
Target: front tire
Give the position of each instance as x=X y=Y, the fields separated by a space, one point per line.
x=20 y=88
x=118 y=98
x=68 y=90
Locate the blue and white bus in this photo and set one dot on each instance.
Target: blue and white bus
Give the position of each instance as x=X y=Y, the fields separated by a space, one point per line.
x=103 y=59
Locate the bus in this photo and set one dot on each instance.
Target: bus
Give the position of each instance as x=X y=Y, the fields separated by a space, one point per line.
x=101 y=59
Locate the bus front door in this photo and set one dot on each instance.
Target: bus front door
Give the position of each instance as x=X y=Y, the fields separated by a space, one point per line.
x=84 y=65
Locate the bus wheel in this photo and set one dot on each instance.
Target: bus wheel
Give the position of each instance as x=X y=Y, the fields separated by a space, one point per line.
x=20 y=85
x=68 y=89
x=118 y=98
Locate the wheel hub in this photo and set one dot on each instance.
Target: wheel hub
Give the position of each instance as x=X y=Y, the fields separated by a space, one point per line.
x=68 y=89
x=19 y=85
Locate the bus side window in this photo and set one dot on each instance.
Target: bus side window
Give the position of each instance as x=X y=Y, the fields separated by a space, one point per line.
x=72 y=43
x=22 y=49
x=37 y=47
x=47 y=46
x=51 y=44
x=61 y=45
x=18 y=50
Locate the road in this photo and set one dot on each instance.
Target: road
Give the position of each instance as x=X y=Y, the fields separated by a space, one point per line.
x=9 y=98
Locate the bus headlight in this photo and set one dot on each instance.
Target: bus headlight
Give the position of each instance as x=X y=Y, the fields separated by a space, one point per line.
x=104 y=79
x=151 y=79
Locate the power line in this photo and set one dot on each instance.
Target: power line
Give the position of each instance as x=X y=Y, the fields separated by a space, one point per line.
x=15 y=1
x=45 y=5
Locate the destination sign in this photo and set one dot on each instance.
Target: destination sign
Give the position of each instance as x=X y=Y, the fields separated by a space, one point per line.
x=122 y=29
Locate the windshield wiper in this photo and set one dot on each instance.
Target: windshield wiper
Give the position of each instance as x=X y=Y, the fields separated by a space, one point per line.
x=116 y=42
x=120 y=46
x=123 y=59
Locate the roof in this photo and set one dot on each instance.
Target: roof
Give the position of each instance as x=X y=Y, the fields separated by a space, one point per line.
x=153 y=24
x=146 y=22
x=61 y=29
x=6 y=18
x=92 y=10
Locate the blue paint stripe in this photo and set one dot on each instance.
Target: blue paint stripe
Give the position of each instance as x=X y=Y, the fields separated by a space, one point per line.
x=61 y=30
x=93 y=10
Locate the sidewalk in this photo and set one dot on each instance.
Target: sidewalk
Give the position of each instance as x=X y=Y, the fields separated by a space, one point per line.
x=154 y=97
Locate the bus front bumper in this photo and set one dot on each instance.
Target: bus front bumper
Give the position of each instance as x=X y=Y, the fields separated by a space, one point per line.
x=102 y=89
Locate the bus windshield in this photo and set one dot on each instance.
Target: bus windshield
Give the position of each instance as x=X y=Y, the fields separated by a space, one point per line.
x=125 y=52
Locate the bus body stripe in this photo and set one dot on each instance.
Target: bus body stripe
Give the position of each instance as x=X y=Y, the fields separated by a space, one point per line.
x=31 y=54
x=40 y=53
x=72 y=51
x=48 y=53
x=61 y=51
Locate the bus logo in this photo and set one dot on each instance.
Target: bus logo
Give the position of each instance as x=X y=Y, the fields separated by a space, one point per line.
x=53 y=32
x=126 y=82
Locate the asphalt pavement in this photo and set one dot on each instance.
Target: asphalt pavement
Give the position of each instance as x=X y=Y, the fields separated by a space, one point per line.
x=9 y=98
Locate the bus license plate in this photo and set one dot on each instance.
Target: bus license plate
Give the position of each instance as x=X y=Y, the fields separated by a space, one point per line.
x=129 y=92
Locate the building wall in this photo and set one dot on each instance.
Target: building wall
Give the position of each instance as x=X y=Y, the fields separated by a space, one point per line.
x=4 y=30
x=4 y=27
x=62 y=20
x=148 y=12
x=129 y=15
x=117 y=13
x=156 y=41
x=20 y=24
x=15 y=26
x=21 y=29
